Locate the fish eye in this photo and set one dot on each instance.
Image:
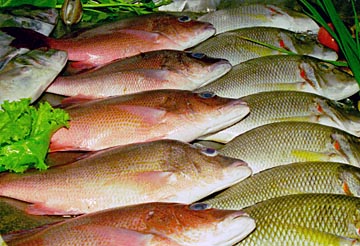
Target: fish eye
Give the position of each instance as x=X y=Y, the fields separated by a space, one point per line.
x=210 y=152
x=184 y=18
x=199 y=206
x=206 y=94
x=198 y=55
x=324 y=66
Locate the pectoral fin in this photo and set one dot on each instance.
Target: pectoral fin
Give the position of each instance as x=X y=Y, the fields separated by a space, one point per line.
x=305 y=155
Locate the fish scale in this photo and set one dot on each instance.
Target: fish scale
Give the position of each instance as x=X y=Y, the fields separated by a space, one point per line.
x=295 y=217
x=287 y=142
x=294 y=178
x=285 y=73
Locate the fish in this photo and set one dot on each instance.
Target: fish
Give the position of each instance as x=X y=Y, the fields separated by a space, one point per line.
x=197 y=6
x=178 y=223
x=236 y=46
x=28 y=75
x=169 y=69
x=146 y=116
x=13 y=217
x=285 y=73
x=41 y=20
x=259 y=15
x=294 y=178
x=276 y=106
x=176 y=172
x=120 y=39
x=286 y=142
x=305 y=219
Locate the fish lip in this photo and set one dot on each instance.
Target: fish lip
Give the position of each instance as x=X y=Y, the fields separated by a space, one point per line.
x=239 y=163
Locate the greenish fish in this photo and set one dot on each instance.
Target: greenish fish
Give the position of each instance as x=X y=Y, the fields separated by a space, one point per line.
x=29 y=74
x=276 y=106
x=294 y=178
x=305 y=219
x=259 y=15
x=285 y=73
x=282 y=143
x=14 y=218
x=236 y=47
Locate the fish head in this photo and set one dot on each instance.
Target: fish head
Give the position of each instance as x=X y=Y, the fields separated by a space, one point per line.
x=341 y=115
x=183 y=30
x=46 y=58
x=202 y=69
x=327 y=80
x=198 y=224
x=208 y=170
x=349 y=177
x=347 y=146
x=208 y=112
x=307 y=44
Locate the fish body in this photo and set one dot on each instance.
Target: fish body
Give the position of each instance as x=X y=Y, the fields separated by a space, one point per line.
x=259 y=15
x=285 y=73
x=171 y=69
x=178 y=223
x=305 y=219
x=286 y=142
x=28 y=75
x=236 y=48
x=121 y=39
x=147 y=116
x=294 y=178
x=277 y=106
x=164 y=170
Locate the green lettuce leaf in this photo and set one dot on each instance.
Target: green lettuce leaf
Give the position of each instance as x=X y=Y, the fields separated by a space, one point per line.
x=25 y=134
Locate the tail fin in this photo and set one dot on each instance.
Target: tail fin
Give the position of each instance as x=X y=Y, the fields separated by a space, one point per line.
x=26 y=38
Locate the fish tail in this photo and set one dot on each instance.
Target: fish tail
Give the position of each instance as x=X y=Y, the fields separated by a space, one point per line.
x=26 y=38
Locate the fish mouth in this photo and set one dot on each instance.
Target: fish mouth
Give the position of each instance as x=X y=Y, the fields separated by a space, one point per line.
x=205 y=33
x=216 y=71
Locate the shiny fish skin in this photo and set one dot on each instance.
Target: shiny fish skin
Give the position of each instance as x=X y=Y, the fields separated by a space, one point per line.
x=259 y=15
x=294 y=178
x=305 y=217
x=190 y=225
x=286 y=142
x=171 y=70
x=25 y=75
x=233 y=47
x=277 y=106
x=147 y=116
x=286 y=73
x=120 y=176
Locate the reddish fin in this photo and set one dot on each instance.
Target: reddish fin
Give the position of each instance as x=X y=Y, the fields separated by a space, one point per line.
x=26 y=38
x=77 y=67
x=42 y=209
x=69 y=101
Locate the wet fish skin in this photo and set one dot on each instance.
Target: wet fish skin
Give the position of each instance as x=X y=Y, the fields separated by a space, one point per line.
x=288 y=142
x=121 y=39
x=24 y=76
x=259 y=15
x=286 y=73
x=182 y=224
x=276 y=106
x=305 y=216
x=170 y=69
x=145 y=117
x=294 y=178
x=234 y=47
x=98 y=181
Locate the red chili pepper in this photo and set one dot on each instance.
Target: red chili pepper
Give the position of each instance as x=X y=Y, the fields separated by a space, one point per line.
x=326 y=39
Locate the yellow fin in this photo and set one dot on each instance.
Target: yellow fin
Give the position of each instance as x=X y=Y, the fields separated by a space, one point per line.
x=306 y=155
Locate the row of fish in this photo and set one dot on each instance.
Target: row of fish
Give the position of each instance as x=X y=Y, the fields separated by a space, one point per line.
x=159 y=169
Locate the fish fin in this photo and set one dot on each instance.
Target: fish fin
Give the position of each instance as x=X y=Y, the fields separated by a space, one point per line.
x=69 y=101
x=26 y=38
x=77 y=67
x=43 y=209
x=306 y=155
x=147 y=115
x=140 y=34
x=346 y=189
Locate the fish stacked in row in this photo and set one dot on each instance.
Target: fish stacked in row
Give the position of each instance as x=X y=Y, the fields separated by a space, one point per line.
x=142 y=139
x=302 y=146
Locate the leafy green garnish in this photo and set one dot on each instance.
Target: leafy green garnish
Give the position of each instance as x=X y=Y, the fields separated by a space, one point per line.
x=349 y=47
x=25 y=134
